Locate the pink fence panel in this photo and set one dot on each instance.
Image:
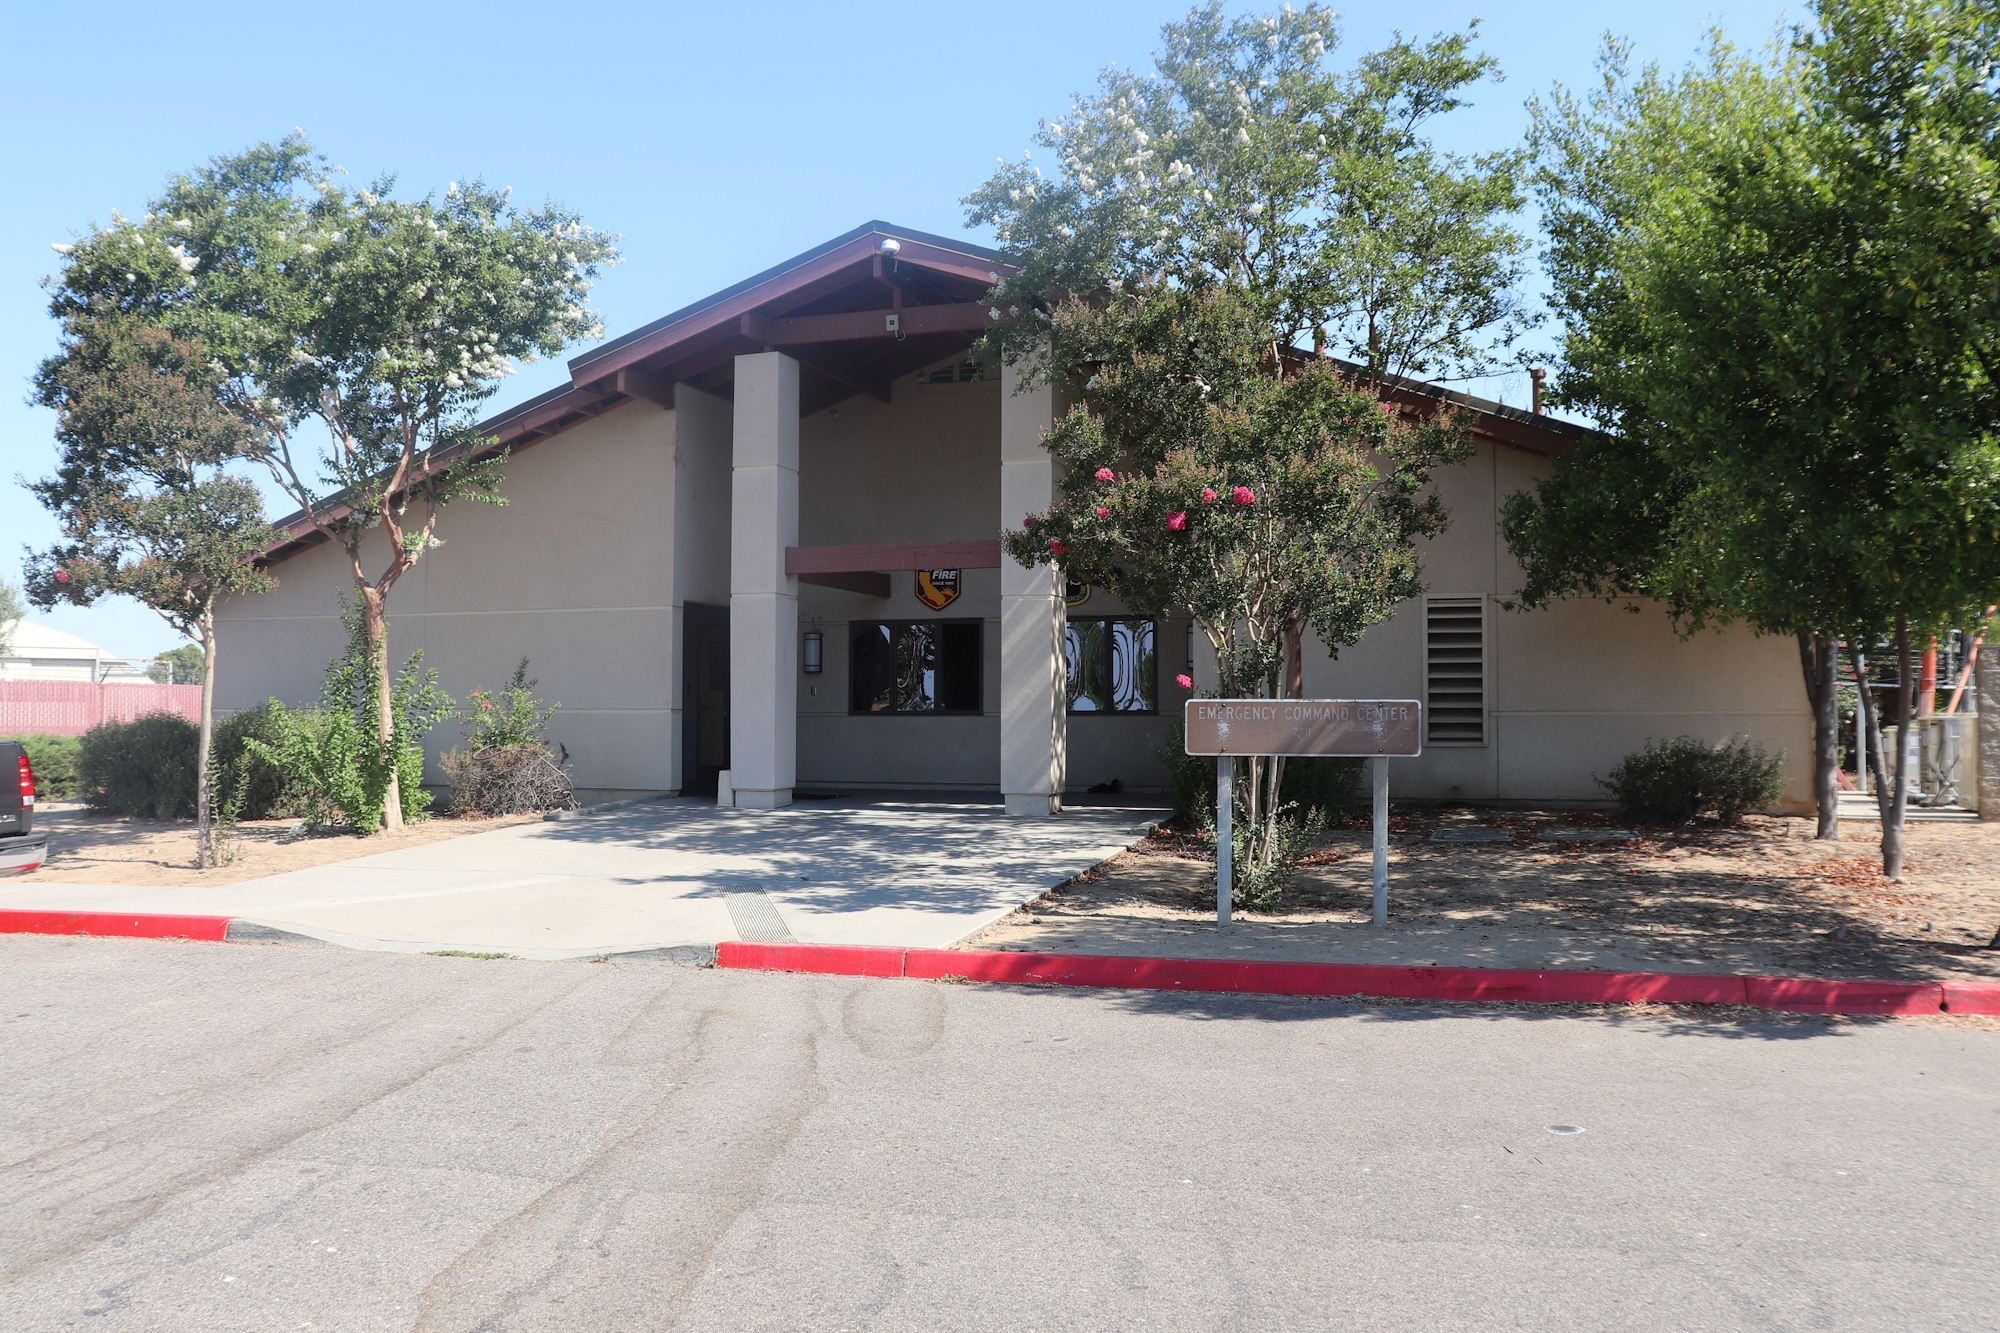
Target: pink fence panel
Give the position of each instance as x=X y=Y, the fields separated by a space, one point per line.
x=72 y=707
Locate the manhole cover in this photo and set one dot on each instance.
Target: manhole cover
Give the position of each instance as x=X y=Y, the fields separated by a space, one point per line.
x=1564 y=1129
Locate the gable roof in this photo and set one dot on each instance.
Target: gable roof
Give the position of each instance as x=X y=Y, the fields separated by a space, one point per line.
x=826 y=307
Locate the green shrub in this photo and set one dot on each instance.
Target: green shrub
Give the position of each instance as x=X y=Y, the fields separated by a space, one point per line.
x=510 y=768
x=1312 y=794
x=1679 y=781
x=509 y=719
x=254 y=786
x=54 y=761
x=142 y=767
x=332 y=757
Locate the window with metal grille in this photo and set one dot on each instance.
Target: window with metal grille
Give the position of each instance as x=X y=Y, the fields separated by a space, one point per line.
x=1109 y=664
x=1455 y=670
x=915 y=666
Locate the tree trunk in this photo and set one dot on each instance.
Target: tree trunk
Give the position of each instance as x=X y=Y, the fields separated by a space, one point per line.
x=204 y=799
x=377 y=626
x=1892 y=816
x=1819 y=659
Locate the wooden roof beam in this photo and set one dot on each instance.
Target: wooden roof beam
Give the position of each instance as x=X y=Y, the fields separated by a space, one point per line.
x=856 y=325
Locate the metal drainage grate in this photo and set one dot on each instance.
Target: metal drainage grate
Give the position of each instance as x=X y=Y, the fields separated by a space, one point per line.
x=756 y=918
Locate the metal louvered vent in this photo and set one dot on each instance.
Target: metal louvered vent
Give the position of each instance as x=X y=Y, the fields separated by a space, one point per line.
x=1455 y=670
x=963 y=371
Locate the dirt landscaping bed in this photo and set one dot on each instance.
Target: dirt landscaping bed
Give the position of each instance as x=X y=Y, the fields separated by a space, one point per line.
x=87 y=848
x=1763 y=898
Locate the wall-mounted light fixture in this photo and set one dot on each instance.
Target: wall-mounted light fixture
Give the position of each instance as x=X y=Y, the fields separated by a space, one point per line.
x=811 y=658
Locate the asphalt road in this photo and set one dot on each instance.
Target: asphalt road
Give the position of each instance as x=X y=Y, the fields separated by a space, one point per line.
x=233 y=1137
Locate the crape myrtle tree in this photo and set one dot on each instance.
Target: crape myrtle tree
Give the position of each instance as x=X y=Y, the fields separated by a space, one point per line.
x=1241 y=200
x=145 y=507
x=1203 y=476
x=1243 y=159
x=1807 y=355
x=377 y=325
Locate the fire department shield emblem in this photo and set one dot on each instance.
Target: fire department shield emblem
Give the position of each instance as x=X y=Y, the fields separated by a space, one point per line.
x=937 y=588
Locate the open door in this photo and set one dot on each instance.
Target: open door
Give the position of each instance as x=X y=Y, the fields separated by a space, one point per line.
x=705 y=669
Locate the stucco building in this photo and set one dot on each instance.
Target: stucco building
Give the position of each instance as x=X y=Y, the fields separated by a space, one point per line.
x=761 y=535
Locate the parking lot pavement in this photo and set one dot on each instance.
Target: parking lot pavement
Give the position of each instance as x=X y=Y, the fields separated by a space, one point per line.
x=675 y=872
x=241 y=1137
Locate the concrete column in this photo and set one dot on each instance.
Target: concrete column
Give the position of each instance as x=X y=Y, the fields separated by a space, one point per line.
x=763 y=599
x=1032 y=761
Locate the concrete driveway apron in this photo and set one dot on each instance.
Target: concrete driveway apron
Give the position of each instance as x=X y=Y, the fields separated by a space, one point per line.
x=675 y=872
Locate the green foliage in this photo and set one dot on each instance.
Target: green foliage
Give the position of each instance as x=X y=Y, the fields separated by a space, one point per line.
x=508 y=719
x=54 y=760
x=145 y=508
x=509 y=766
x=179 y=666
x=1257 y=883
x=144 y=767
x=1201 y=478
x=257 y=787
x=1242 y=159
x=333 y=756
x=1204 y=475
x=1312 y=793
x=1678 y=781
x=11 y=613
x=379 y=324
x=1777 y=283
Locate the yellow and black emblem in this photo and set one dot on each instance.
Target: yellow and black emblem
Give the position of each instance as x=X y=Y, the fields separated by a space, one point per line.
x=937 y=588
x=1075 y=592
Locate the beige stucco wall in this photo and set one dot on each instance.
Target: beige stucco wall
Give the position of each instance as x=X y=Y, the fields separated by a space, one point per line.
x=573 y=572
x=923 y=467
x=1572 y=689
x=614 y=526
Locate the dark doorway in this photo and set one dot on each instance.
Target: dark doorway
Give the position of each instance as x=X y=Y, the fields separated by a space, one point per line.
x=705 y=704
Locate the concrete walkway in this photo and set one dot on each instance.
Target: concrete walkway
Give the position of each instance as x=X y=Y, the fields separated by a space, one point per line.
x=658 y=876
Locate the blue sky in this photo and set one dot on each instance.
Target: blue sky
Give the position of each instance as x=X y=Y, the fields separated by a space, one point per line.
x=718 y=139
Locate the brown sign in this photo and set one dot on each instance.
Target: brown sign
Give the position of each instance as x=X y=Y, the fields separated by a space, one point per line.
x=1305 y=726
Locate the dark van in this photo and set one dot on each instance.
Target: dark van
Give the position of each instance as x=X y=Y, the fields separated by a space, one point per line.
x=22 y=850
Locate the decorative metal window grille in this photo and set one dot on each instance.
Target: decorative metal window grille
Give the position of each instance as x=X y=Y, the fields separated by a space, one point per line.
x=1111 y=665
x=1455 y=670
x=962 y=371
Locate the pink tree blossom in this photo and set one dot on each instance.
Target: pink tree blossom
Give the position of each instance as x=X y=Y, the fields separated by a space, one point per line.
x=1177 y=522
x=1243 y=495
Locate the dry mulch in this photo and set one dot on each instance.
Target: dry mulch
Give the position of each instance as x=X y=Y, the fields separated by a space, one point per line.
x=1765 y=891
x=88 y=848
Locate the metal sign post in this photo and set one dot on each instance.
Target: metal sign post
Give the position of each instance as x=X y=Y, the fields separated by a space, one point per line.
x=1374 y=729
x=1225 y=838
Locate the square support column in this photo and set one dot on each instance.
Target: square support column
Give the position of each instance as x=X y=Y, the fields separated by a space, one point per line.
x=763 y=599
x=1032 y=731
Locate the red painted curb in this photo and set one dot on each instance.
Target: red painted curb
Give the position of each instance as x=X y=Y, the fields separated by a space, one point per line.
x=1811 y=996
x=1789 y=994
x=840 y=960
x=1972 y=997
x=13 y=922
